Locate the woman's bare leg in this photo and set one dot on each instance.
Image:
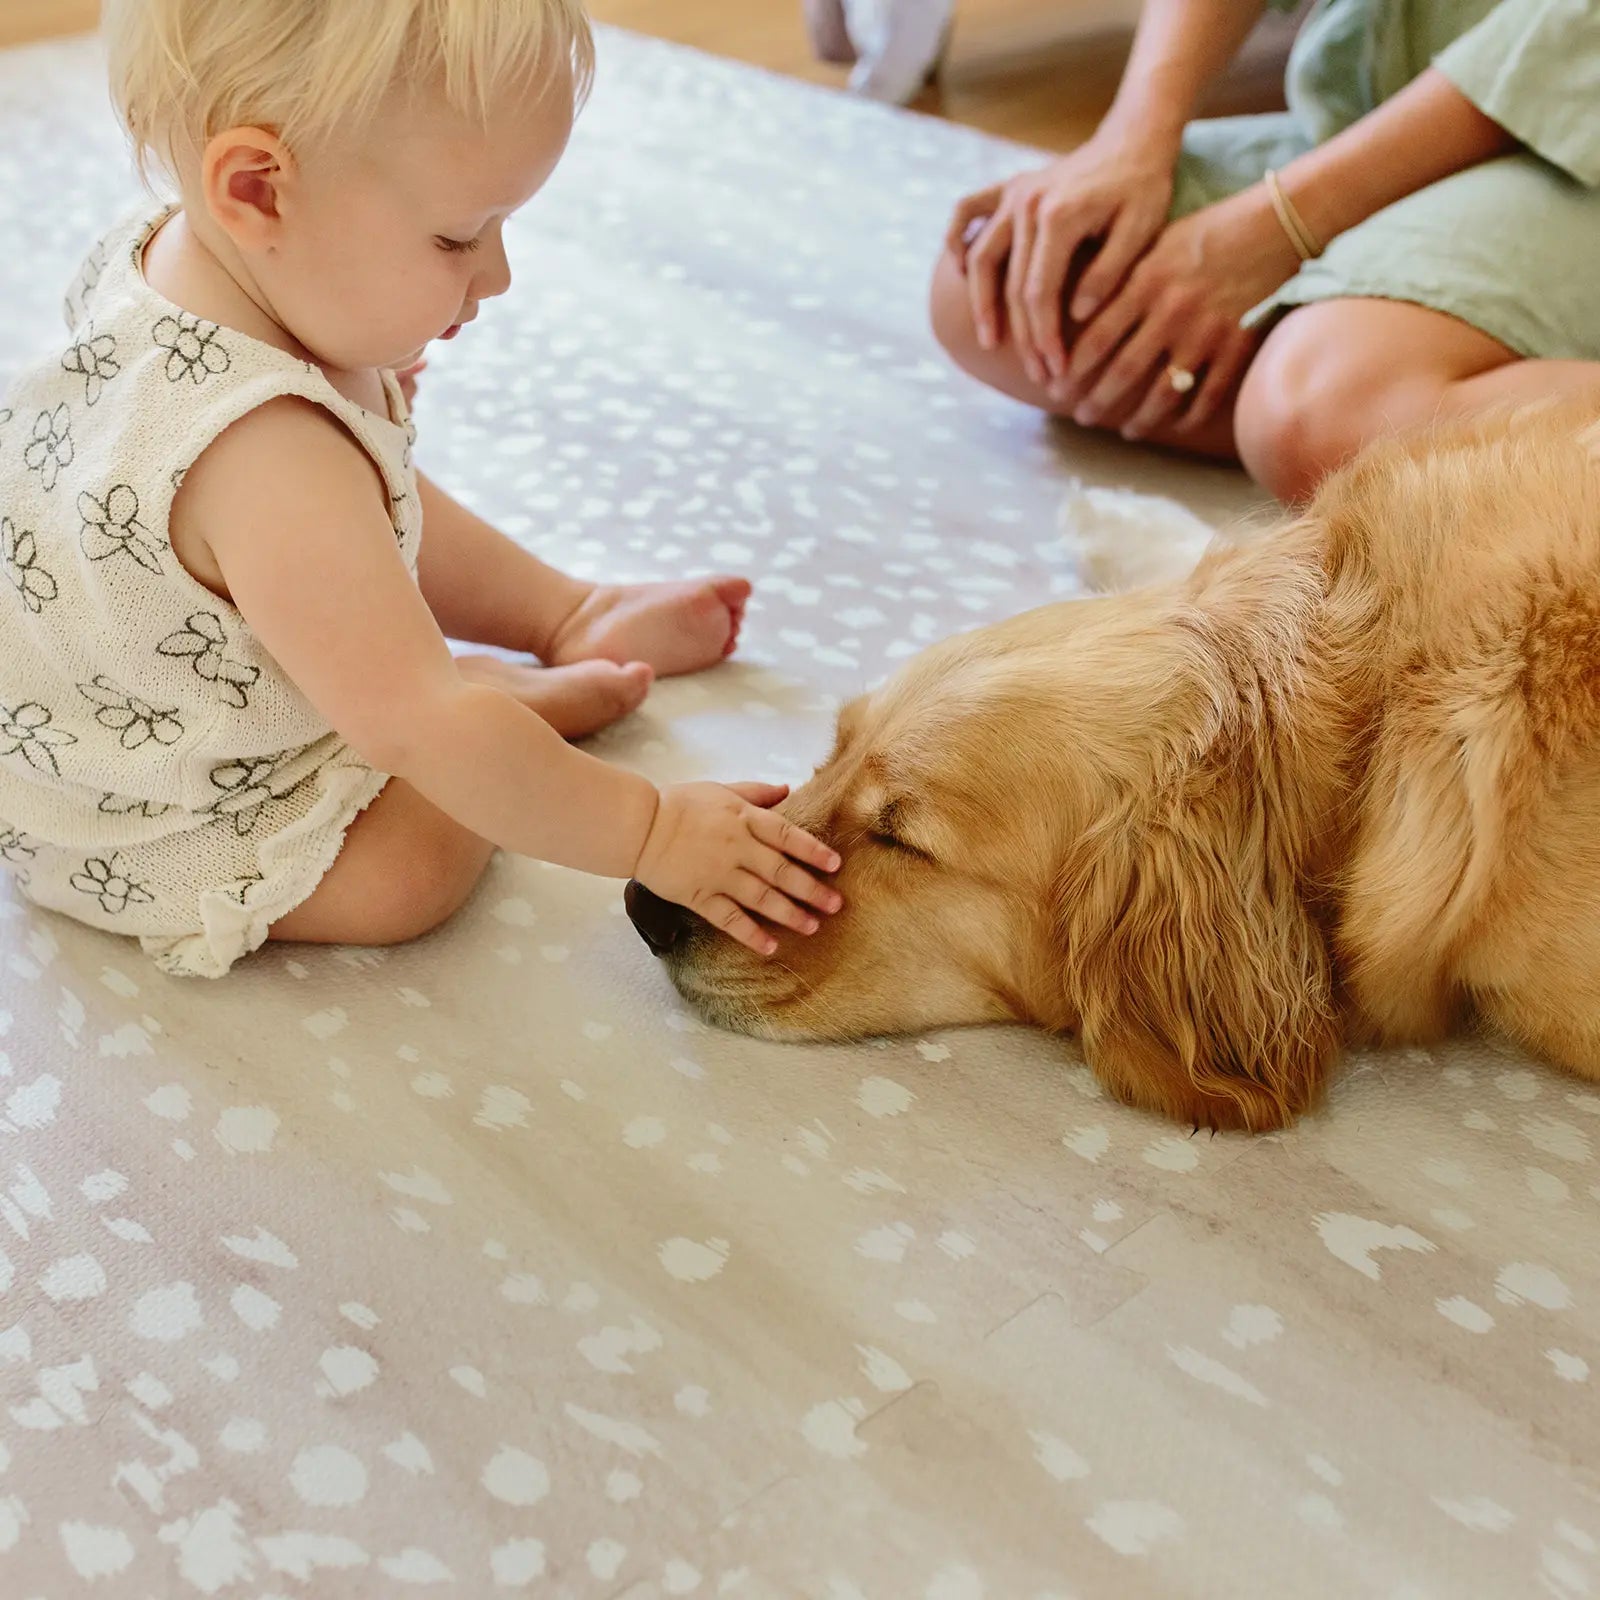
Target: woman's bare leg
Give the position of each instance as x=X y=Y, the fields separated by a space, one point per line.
x=1001 y=368
x=1329 y=378
x=1334 y=376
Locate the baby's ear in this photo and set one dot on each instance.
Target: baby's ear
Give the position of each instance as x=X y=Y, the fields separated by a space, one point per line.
x=1202 y=982
x=243 y=175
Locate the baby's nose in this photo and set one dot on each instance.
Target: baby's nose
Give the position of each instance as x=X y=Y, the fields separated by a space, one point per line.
x=661 y=924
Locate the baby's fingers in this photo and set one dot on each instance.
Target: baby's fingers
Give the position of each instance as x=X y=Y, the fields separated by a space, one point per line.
x=795 y=881
x=770 y=903
x=783 y=836
x=724 y=913
x=764 y=795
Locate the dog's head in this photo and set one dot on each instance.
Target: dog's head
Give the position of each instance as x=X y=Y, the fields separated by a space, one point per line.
x=1100 y=817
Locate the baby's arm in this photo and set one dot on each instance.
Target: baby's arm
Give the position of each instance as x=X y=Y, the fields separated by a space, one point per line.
x=482 y=586
x=308 y=555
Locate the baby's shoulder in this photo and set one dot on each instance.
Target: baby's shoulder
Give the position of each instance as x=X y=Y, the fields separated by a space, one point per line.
x=288 y=454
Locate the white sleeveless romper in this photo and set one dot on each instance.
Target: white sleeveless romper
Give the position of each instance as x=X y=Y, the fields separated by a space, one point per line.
x=160 y=775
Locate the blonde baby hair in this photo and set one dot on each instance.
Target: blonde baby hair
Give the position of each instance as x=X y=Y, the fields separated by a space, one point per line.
x=185 y=70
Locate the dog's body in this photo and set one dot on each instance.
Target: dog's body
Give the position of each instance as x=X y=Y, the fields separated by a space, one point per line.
x=1343 y=782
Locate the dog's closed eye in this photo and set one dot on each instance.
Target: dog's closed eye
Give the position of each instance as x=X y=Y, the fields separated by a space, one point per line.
x=888 y=828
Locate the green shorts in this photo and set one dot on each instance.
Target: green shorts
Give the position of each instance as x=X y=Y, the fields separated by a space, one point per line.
x=1509 y=246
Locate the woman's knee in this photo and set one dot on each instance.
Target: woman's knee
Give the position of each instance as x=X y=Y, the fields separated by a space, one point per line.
x=1333 y=376
x=950 y=313
x=1298 y=414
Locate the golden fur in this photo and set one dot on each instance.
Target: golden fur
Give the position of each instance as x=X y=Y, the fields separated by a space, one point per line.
x=1344 y=782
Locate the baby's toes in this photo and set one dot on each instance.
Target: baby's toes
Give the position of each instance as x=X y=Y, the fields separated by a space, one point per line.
x=732 y=592
x=630 y=684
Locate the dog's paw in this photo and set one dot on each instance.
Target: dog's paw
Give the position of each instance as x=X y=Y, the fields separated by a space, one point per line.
x=1123 y=540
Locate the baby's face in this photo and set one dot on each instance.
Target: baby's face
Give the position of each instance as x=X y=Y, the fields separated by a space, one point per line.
x=396 y=239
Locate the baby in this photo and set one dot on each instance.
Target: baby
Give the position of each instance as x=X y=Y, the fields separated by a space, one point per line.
x=227 y=709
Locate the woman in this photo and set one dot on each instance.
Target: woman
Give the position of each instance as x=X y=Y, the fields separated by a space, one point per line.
x=1427 y=213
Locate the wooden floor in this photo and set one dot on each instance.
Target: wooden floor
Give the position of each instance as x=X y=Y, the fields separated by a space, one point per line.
x=1039 y=71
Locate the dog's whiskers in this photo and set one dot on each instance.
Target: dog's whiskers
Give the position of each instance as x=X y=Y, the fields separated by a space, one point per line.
x=800 y=997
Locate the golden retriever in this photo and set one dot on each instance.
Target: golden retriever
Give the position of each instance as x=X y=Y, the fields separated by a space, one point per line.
x=1342 y=783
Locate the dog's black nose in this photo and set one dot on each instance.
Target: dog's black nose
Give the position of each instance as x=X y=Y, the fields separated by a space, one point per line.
x=661 y=924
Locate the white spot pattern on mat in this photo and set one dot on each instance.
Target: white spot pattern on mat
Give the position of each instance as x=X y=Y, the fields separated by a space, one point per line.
x=690 y=1261
x=328 y=1475
x=1481 y=1513
x=96 y=1551
x=1135 y=1527
x=1058 y=1458
x=1353 y=1240
x=1465 y=1313
x=516 y=1477
x=1207 y=1369
x=247 y=1130
x=1526 y=1283
x=78 y=1277
x=1248 y=1325
x=830 y=1428
x=166 y=1314
x=883 y=1097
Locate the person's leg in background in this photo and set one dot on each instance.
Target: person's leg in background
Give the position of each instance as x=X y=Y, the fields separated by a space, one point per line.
x=1329 y=378
x=1359 y=347
x=894 y=47
x=950 y=310
x=1333 y=376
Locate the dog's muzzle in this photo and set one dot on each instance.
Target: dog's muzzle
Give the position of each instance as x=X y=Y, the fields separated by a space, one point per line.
x=661 y=924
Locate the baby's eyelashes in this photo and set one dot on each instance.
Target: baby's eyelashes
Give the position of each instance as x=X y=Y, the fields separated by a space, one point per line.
x=456 y=246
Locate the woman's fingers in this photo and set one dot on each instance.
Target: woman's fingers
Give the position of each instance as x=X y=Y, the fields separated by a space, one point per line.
x=1125 y=241
x=1125 y=376
x=969 y=210
x=1060 y=231
x=1096 y=344
x=1219 y=381
x=1162 y=401
x=985 y=263
x=1022 y=237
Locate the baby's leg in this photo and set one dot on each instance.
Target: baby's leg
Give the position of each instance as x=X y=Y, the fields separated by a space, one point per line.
x=675 y=627
x=406 y=867
x=576 y=700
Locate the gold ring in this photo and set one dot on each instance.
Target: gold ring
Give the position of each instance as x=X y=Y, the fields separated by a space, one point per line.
x=1181 y=379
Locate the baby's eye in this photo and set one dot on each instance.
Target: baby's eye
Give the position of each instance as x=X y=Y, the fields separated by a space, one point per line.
x=456 y=246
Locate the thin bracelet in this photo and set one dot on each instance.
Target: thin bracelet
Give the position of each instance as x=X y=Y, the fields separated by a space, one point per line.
x=1300 y=236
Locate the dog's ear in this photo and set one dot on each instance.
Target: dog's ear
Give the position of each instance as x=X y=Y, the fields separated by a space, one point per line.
x=1200 y=979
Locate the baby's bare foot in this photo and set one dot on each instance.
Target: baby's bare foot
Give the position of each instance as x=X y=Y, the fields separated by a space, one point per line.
x=575 y=700
x=674 y=627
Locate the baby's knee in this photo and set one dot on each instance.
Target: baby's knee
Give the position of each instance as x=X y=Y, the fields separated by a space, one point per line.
x=424 y=890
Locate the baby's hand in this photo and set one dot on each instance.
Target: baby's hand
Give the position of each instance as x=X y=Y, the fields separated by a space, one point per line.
x=407 y=377
x=718 y=850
